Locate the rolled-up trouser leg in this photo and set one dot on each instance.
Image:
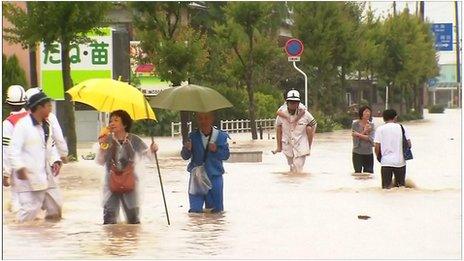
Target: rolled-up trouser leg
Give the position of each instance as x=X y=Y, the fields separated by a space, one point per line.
x=111 y=209
x=214 y=198
x=30 y=204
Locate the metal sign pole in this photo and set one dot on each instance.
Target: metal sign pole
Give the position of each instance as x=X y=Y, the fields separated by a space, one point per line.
x=306 y=83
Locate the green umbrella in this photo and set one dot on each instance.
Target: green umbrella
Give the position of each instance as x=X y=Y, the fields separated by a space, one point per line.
x=190 y=98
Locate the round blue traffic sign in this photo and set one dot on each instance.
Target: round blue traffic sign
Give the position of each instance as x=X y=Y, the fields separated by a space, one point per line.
x=294 y=47
x=432 y=82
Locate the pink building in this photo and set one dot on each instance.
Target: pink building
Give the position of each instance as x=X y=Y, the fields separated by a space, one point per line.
x=9 y=49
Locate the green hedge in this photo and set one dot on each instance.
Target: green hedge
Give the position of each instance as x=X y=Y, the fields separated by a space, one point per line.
x=410 y=116
x=437 y=108
x=325 y=123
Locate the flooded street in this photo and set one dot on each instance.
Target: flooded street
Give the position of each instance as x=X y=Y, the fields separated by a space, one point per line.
x=269 y=213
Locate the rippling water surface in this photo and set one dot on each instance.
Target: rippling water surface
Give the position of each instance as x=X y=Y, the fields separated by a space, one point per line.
x=269 y=212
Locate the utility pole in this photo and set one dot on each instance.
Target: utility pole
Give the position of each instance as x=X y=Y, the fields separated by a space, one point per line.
x=458 y=49
x=421 y=10
x=422 y=85
x=32 y=59
x=394 y=8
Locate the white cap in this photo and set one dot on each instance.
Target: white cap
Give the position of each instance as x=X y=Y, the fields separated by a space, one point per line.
x=293 y=95
x=32 y=91
x=16 y=95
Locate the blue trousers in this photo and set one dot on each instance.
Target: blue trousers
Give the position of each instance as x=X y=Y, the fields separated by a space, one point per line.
x=214 y=198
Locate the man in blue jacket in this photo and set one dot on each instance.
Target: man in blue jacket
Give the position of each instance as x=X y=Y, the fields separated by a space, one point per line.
x=217 y=151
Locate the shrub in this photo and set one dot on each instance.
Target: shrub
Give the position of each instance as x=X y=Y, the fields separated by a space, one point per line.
x=160 y=128
x=437 y=108
x=409 y=116
x=325 y=123
x=239 y=98
x=266 y=105
x=11 y=74
x=363 y=102
x=345 y=120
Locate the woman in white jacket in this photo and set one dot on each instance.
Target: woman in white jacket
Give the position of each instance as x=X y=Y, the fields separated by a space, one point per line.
x=35 y=164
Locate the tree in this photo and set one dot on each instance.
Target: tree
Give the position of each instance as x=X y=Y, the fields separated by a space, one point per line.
x=408 y=58
x=63 y=22
x=176 y=49
x=370 y=40
x=330 y=32
x=12 y=74
x=347 y=40
x=315 y=24
x=250 y=31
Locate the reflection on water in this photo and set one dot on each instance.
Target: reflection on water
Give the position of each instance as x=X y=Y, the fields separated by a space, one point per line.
x=270 y=212
x=120 y=240
x=362 y=176
x=204 y=232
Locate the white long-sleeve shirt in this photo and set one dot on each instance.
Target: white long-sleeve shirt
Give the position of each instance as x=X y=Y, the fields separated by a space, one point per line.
x=60 y=147
x=57 y=135
x=28 y=149
x=8 y=127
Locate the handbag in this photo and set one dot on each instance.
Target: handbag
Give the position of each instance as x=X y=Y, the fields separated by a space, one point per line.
x=199 y=183
x=121 y=181
x=407 y=153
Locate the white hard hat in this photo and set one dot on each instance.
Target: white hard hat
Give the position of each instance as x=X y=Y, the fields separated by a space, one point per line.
x=293 y=95
x=16 y=95
x=32 y=91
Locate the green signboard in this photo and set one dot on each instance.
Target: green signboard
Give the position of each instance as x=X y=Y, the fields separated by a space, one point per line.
x=90 y=60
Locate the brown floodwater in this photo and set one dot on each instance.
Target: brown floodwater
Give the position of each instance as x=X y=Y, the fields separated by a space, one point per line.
x=270 y=213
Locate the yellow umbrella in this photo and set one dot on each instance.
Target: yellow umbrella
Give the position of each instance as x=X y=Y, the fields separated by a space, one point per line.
x=107 y=95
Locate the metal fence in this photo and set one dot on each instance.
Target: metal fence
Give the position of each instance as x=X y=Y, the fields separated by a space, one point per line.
x=176 y=129
x=232 y=126
x=244 y=125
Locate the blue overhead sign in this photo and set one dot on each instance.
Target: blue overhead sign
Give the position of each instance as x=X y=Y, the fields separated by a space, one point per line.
x=443 y=36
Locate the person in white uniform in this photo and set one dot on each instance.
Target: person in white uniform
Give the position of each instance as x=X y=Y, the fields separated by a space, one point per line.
x=16 y=99
x=57 y=133
x=34 y=163
x=295 y=136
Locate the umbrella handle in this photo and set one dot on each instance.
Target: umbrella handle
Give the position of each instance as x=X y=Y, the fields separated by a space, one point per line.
x=161 y=183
